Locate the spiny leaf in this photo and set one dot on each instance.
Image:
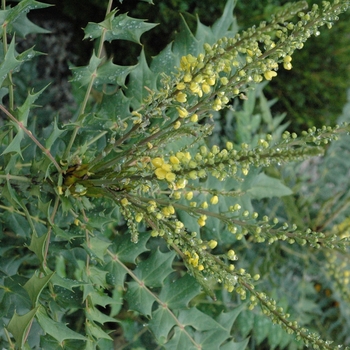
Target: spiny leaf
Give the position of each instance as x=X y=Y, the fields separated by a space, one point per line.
x=35 y=286
x=96 y=331
x=112 y=74
x=15 y=145
x=22 y=8
x=155 y=269
x=55 y=134
x=18 y=326
x=128 y=251
x=10 y=62
x=121 y=27
x=97 y=316
x=96 y=247
x=57 y=330
x=37 y=245
x=140 y=79
x=179 y=293
x=161 y=323
x=83 y=75
x=22 y=112
x=139 y=298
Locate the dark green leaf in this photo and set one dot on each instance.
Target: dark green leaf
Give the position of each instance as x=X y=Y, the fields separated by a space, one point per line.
x=83 y=75
x=140 y=78
x=139 y=298
x=179 y=293
x=121 y=27
x=161 y=323
x=37 y=245
x=35 y=286
x=18 y=326
x=155 y=269
x=97 y=247
x=56 y=329
x=128 y=251
x=264 y=186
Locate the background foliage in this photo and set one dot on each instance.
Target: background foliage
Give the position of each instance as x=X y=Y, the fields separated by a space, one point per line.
x=71 y=273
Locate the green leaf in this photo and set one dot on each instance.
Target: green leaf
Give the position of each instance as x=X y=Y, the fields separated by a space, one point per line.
x=264 y=186
x=55 y=134
x=97 y=247
x=35 y=286
x=15 y=145
x=37 y=246
x=57 y=330
x=22 y=112
x=128 y=251
x=83 y=75
x=179 y=293
x=181 y=340
x=23 y=26
x=66 y=282
x=19 y=325
x=242 y=345
x=95 y=315
x=121 y=27
x=161 y=323
x=139 y=298
x=10 y=62
x=155 y=269
x=112 y=74
x=96 y=331
x=24 y=7
x=140 y=78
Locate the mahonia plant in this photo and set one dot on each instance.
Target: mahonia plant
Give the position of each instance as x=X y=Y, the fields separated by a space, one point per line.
x=109 y=207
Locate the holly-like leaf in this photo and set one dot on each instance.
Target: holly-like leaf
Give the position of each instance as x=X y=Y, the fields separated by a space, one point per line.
x=141 y=80
x=35 y=286
x=112 y=74
x=96 y=247
x=264 y=186
x=97 y=316
x=139 y=298
x=37 y=246
x=155 y=269
x=57 y=330
x=83 y=75
x=121 y=27
x=179 y=293
x=55 y=134
x=19 y=325
x=15 y=145
x=161 y=323
x=22 y=112
x=128 y=251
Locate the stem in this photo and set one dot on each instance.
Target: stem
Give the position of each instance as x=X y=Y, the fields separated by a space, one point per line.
x=34 y=139
x=81 y=116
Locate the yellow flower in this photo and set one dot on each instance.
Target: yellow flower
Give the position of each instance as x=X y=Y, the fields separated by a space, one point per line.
x=181 y=86
x=214 y=200
x=212 y=244
x=158 y=162
x=124 y=202
x=160 y=173
x=138 y=217
x=194 y=118
x=269 y=74
x=181 y=97
x=174 y=160
x=170 y=177
x=182 y=112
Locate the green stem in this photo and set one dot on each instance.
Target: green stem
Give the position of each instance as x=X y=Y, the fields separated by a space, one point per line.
x=9 y=177
x=32 y=137
x=81 y=116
